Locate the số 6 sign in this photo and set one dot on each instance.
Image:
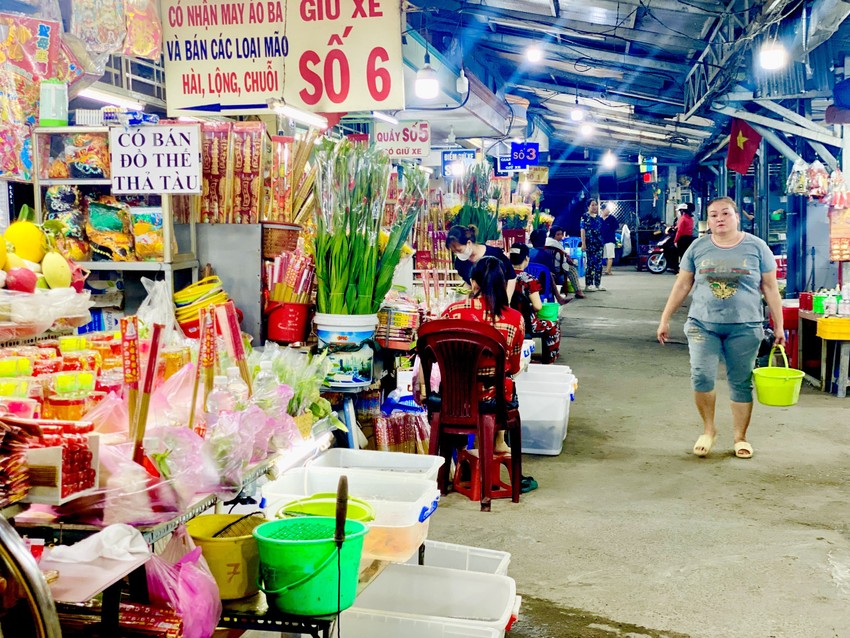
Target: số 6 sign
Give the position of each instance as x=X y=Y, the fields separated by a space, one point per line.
x=408 y=139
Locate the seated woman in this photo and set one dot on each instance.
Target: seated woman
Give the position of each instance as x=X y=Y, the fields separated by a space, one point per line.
x=548 y=252
x=467 y=253
x=527 y=300
x=488 y=303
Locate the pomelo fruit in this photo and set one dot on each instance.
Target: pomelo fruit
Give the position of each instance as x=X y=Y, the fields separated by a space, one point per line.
x=28 y=239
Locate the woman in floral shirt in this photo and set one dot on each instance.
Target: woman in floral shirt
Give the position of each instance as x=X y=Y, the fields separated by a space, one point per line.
x=527 y=300
x=591 y=239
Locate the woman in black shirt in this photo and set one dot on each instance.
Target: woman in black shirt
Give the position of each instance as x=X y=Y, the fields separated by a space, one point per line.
x=461 y=241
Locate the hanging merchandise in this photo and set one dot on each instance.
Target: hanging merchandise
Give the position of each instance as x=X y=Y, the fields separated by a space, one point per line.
x=99 y=24
x=66 y=219
x=248 y=170
x=839 y=234
x=818 y=181
x=215 y=163
x=144 y=29
x=838 y=196
x=108 y=230
x=798 y=181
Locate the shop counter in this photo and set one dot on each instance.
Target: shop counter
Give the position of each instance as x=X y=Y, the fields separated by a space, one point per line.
x=823 y=347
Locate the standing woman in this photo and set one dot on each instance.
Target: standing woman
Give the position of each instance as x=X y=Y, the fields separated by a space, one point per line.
x=591 y=239
x=684 y=229
x=467 y=253
x=728 y=271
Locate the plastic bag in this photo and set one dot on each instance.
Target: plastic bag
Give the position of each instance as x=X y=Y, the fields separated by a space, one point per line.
x=108 y=229
x=170 y=403
x=144 y=29
x=798 y=181
x=43 y=308
x=180 y=579
x=110 y=415
x=180 y=456
x=148 y=233
x=230 y=447
x=627 y=240
x=158 y=307
x=132 y=496
x=99 y=24
x=818 y=180
x=63 y=205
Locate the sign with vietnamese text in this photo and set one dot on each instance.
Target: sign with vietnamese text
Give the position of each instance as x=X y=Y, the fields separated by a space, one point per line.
x=505 y=165
x=525 y=154
x=537 y=175
x=226 y=56
x=155 y=159
x=455 y=162
x=405 y=140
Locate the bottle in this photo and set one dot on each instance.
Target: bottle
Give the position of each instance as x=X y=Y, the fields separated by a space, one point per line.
x=266 y=386
x=237 y=387
x=830 y=305
x=219 y=399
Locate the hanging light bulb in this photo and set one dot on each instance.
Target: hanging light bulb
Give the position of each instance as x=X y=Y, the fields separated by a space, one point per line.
x=534 y=54
x=773 y=55
x=609 y=160
x=427 y=84
x=586 y=129
x=577 y=114
x=462 y=84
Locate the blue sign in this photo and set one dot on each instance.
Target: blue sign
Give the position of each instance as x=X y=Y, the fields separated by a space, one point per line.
x=506 y=165
x=525 y=154
x=464 y=157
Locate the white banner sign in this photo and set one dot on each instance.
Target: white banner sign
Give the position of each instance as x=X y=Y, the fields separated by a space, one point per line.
x=408 y=139
x=155 y=159
x=332 y=56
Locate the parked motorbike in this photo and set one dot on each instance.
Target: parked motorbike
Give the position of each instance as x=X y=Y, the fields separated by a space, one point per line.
x=656 y=263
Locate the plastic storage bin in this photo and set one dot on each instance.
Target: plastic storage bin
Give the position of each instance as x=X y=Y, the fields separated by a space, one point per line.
x=420 y=465
x=560 y=384
x=545 y=411
x=403 y=504
x=361 y=623
x=445 y=595
x=464 y=557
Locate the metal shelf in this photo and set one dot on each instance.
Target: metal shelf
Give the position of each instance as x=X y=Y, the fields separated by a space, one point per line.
x=69 y=130
x=75 y=182
x=142 y=266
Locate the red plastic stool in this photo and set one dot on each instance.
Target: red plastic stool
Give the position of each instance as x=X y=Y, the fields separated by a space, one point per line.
x=467 y=480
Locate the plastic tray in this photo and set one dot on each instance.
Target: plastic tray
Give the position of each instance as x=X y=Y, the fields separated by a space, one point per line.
x=362 y=623
x=420 y=465
x=465 y=558
x=444 y=595
x=403 y=505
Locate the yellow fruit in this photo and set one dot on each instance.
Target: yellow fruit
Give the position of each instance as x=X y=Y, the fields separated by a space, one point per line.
x=2 y=253
x=13 y=261
x=28 y=239
x=56 y=270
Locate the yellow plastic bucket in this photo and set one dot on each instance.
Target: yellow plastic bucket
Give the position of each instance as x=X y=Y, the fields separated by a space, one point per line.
x=234 y=560
x=324 y=504
x=778 y=387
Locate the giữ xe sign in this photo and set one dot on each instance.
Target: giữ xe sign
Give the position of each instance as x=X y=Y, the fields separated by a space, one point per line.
x=329 y=56
x=408 y=139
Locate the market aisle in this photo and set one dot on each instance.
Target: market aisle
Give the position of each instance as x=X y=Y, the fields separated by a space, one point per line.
x=629 y=534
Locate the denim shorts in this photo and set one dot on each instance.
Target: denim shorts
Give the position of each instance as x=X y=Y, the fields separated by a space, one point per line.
x=737 y=343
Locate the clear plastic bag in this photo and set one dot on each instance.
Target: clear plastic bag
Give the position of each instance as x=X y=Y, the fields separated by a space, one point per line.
x=110 y=415
x=158 y=307
x=171 y=402
x=181 y=458
x=180 y=579
x=231 y=446
x=43 y=308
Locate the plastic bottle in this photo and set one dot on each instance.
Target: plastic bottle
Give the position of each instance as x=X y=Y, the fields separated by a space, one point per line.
x=219 y=399
x=830 y=305
x=265 y=394
x=237 y=387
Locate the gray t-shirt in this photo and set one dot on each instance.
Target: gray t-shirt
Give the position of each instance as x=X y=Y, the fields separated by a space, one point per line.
x=727 y=281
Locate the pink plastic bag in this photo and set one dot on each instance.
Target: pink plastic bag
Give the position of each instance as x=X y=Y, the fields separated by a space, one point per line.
x=110 y=415
x=181 y=580
x=171 y=401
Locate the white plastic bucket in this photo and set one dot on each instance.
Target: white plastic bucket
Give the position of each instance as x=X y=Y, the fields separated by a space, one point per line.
x=350 y=368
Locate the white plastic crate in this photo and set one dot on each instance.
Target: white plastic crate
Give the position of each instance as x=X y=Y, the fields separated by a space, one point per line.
x=420 y=465
x=444 y=595
x=464 y=557
x=403 y=504
x=545 y=412
x=361 y=624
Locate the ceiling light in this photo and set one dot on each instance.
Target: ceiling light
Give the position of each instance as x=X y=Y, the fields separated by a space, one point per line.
x=456 y=169
x=586 y=129
x=462 y=84
x=534 y=54
x=609 y=160
x=773 y=55
x=427 y=84
x=279 y=106
x=109 y=98
x=577 y=114
x=389 y=119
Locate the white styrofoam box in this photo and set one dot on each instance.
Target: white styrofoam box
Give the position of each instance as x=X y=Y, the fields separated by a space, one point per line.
x=421 y=465
x=88 y=117
x=550 y=370
x=403 y=504
x=544 y=417
x=438 y=594
x=361 y=623
x=464 y=557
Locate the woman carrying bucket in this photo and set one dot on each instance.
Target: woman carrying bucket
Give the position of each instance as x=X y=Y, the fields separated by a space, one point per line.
x=728 y=272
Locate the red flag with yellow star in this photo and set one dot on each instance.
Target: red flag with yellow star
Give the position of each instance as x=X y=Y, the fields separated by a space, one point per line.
x=743 y=143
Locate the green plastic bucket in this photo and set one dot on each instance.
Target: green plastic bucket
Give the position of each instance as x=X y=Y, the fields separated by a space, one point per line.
x=775 y=386
x=301 y=570
x=325 y=505
x=549 y=311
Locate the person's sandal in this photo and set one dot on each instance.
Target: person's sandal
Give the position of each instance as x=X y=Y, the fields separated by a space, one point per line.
x=527 y=484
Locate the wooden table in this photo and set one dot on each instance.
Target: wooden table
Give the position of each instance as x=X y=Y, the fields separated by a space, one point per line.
x=809 y=343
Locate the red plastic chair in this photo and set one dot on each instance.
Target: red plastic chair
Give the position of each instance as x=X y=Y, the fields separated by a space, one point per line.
x=461 y=348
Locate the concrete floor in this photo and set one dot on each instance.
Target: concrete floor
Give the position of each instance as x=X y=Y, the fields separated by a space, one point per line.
x=631 y=535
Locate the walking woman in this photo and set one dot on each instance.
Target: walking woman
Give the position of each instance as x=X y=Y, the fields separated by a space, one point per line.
x=728 y=271
x=591 y=239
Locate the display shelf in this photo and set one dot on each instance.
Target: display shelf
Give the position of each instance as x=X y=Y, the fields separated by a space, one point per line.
x=62 y=501
x=140 y=266
x=69 y=130
x=75 y=182
x=11 y=511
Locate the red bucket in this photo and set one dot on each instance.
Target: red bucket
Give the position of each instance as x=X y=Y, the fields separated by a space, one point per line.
x=806 y=301
x=288 y=322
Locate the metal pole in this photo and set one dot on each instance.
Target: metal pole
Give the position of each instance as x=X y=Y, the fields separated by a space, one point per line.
x=761 y=179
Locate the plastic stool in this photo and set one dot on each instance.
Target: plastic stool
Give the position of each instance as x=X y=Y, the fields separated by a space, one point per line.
x=467 y=480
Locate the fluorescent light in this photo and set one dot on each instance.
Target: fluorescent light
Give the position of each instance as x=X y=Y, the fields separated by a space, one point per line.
x=609 y=160
x=534 y=54
x=109 y=98
x=389 y=119
x=279 y=106
x=586 y=129
x=773 y=56
x=427 y=85
x=577 y=114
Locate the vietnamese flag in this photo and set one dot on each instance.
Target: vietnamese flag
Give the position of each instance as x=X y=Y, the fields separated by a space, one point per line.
x=743 y=143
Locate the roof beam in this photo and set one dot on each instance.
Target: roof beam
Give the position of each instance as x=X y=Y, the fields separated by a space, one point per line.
x=791 y=116
x=625 y=98
x=791 y=129
x=666 y=124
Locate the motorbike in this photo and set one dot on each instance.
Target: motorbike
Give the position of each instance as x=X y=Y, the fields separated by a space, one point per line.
x=656 y=262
